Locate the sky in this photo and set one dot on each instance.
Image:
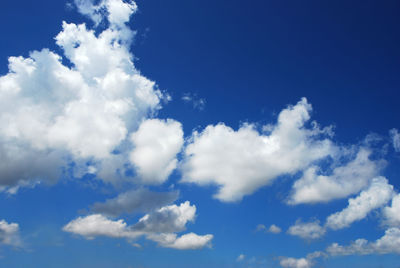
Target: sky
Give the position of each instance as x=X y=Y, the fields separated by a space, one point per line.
x=199 y=134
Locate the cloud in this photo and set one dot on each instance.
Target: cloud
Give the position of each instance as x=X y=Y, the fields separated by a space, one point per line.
x=53 y=113
x=167 y=219
x=387 y=244
x=306 y=262
x=240 y=162
x=117 y=12
x=9 y=234
x=157 y=142
x=160 y=226
x=241 y=257
x=186 y=241
x=140 y=200
x=395 y=135
x=345 y=180
x=391 y=214
x=307 y=230
x=375 y=196
x=98 y=225
x=274 y=229
x=198 y=103
x=295 y=263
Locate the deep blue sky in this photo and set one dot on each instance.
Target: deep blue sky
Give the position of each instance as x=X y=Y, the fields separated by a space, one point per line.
x=248 y=60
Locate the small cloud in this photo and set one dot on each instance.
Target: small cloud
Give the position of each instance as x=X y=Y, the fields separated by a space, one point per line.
x=241 y=257
x=198 y=103
x=274 y=229
x=261 y=227
x=395 y=135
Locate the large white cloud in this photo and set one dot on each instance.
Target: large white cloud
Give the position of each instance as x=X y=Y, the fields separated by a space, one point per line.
x=9 y=234
x=157 y=142
x=240 y=162
x=375 y=196
x=160 y=226
x=345 y=180
x=82 y=111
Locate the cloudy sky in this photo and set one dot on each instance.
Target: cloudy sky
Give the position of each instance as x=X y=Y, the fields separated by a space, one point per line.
x=199 y=134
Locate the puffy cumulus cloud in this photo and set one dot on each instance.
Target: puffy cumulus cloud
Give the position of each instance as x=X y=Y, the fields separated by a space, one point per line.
x=117 y=12
x=140 y=200
x=392 y=213
x=160 y=226
x=345 y=180
x=389 y=243
x=9 y=234
x=157 y=142
x=307 y=230
x=167 y=219
x=375 y=196
x=395 y=135
x=240 y=162
x=295 y=263
x=52 y=113
x=306 y=262
x=98 y=225
x=186 y=241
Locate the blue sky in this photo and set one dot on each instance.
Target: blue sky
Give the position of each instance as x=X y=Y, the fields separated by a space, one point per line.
x=199 y=133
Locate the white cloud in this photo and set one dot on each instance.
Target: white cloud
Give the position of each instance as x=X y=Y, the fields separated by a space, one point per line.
x=186 y=241
x=240 y=162
x=392 y=213
x=274 y=229
x=78 y=112
x=295 y=263
x=140 y=200
x=345 y=180
x=375 y=196
x=198 y=103
x=160 y=226
x=9 y=234
x=241 y=257
x=306 y=262
x=395 y=135
x=167 y=219
x=387 y=244
x=117 y=12
x=307 y=230
x=157 y=142
x=98 y=225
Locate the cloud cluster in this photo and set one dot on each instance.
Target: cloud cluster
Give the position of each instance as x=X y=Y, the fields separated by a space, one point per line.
x=388 y=243
x=240 y=162
x=344 y=180
x=160 y=226
x=53 y=113
x=377 y=195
